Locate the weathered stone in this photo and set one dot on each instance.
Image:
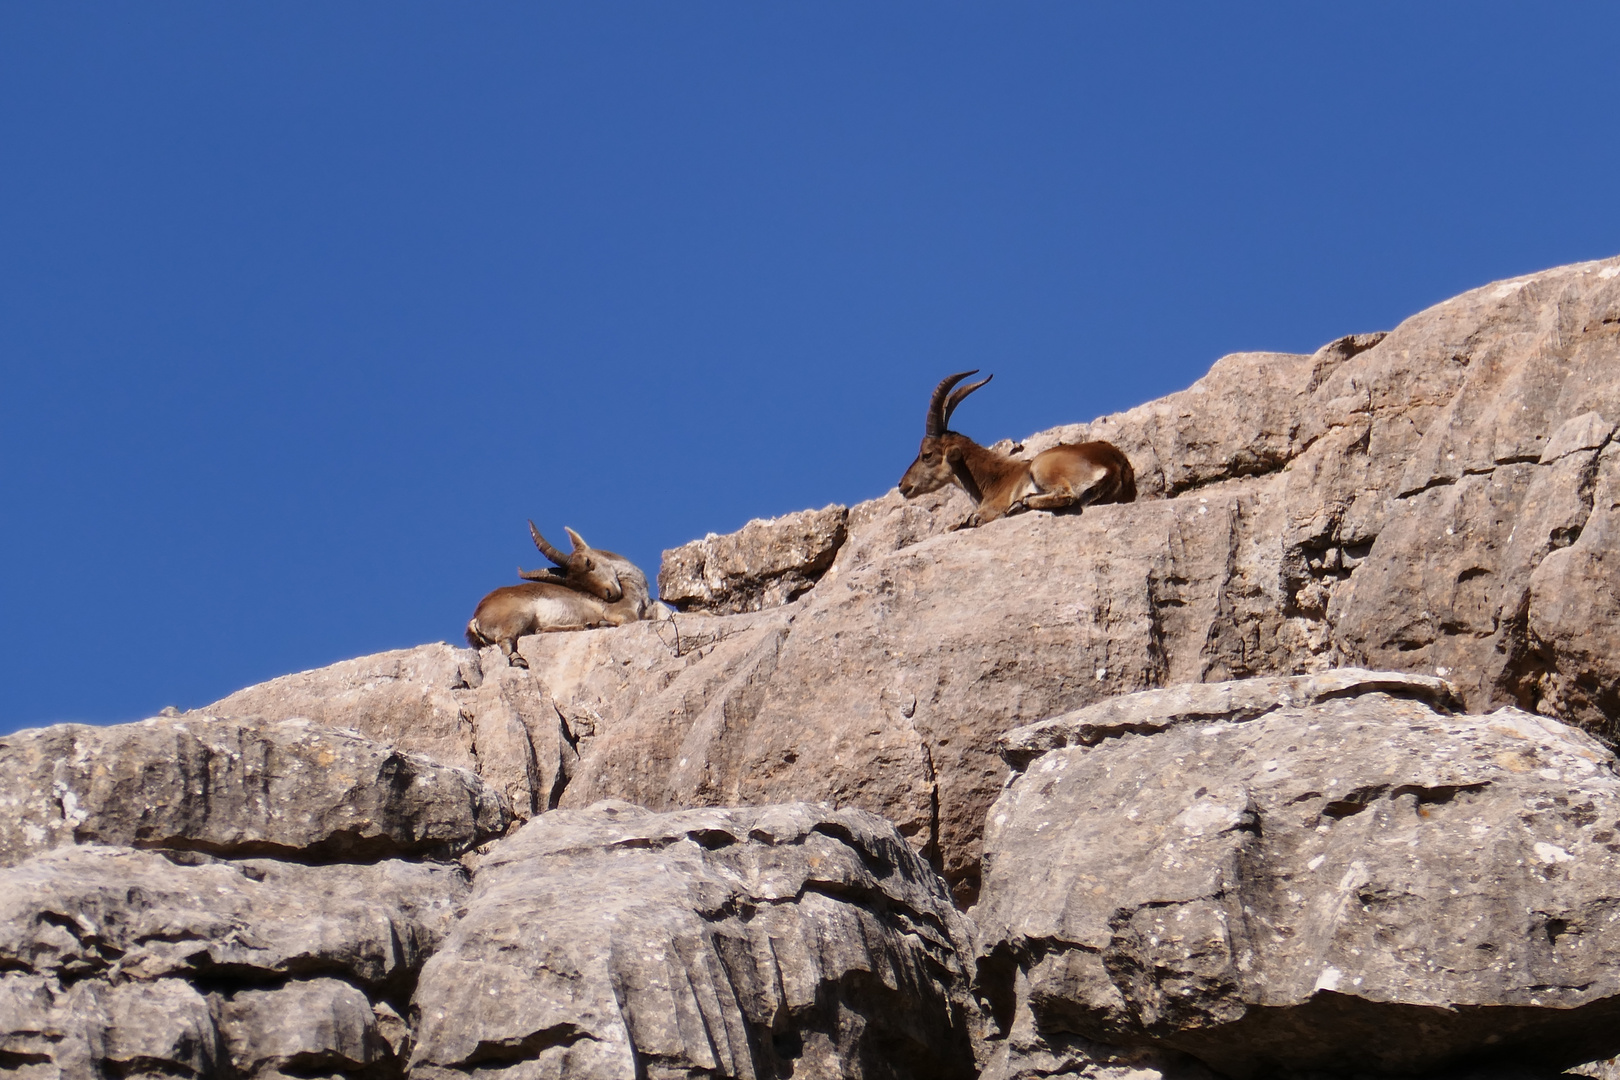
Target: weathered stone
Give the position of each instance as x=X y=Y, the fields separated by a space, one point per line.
x=411 y=698
x=304 y=1027
x=114 y=913
x=765 y=564
x=53 y=1032
x=1570 y=665
x=1307 y=528
x=204 y=784
x=882 y=526
x=1343 y=882
x=613 y=942
x=111 y=955
x=433 y=700
x=1151 y=711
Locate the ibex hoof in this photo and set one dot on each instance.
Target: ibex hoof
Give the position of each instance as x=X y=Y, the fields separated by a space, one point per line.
x=516 y=660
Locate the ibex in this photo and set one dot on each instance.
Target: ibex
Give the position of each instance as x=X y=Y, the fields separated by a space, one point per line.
x=547 y=603
x=1073 y=474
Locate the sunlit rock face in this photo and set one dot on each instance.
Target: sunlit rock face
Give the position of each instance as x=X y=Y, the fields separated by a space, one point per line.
x=1332 y=873
x=760 y=942
x=214 y=898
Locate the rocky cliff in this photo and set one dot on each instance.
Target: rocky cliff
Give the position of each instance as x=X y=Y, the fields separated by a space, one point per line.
x=890 y=797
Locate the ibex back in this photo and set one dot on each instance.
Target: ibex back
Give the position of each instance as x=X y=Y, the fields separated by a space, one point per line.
x=1073 y=474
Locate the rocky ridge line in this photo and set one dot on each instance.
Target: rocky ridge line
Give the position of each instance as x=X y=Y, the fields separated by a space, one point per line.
x=1439 y=500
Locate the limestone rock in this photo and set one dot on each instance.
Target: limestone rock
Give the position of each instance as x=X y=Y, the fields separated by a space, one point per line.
x=1345 y=882
x=613 y=942
x=1151 y=711
x=303 y=1026
x=123 y=962
x=1436 y=501
x=433 y=700
x=49 y=1031
x=229 y=787
x=95 y=911
x=765 y=564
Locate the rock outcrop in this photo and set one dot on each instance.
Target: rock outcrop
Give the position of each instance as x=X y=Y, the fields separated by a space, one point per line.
x=771 y=942
x=766 y=564
x=202 y=897
x=214 y=898
x=1330 y=873
x=435 y=700
x=1438 y=500
x=125 y=962
x=234 y=789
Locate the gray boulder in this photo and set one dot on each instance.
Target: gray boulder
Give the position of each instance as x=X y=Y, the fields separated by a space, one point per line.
x=306 y=1026
x=1331 y=874
x=765 y=564
x=772 y=942
x=232 y=788
x=202 y=897
x=117 y=961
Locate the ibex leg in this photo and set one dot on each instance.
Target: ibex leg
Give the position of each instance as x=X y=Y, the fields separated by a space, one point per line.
x=1051 y=500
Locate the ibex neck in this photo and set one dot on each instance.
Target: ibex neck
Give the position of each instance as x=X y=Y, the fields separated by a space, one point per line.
x=986 y=468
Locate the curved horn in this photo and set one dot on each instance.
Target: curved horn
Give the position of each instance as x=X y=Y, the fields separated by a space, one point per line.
x=962 y=392
x=546 y=549
x=579 y=541
x=937 y=416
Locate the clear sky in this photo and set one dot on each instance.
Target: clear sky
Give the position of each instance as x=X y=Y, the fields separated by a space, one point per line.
x=305 y=308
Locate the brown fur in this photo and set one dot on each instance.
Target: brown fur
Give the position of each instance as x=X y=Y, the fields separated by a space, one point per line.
x=585 y=569
x=513 y=611
x=593 y=588
x=1072 y=474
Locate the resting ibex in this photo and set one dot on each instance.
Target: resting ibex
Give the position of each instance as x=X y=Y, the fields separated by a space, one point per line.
x=1074 y=474
x=548 y=604
x=585 y=569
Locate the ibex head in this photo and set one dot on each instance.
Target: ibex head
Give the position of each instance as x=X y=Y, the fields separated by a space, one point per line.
x=584 y=569
x=933 y=468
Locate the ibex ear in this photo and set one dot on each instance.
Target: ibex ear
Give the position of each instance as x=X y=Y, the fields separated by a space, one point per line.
x=579 y=541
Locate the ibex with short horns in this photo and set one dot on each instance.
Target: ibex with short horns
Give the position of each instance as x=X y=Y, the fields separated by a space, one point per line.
x=1073 y=474
x=595 y=588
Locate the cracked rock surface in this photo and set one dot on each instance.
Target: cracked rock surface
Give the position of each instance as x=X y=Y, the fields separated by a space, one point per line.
x=1364 y=881
x=778 y=941
x=232 y=788
x=212 y=898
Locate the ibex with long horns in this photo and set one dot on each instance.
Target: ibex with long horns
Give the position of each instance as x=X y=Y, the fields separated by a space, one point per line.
x=597 y=588
x=1073 y=474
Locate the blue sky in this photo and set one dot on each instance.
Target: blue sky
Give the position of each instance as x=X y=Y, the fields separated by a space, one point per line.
x=304 y=309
